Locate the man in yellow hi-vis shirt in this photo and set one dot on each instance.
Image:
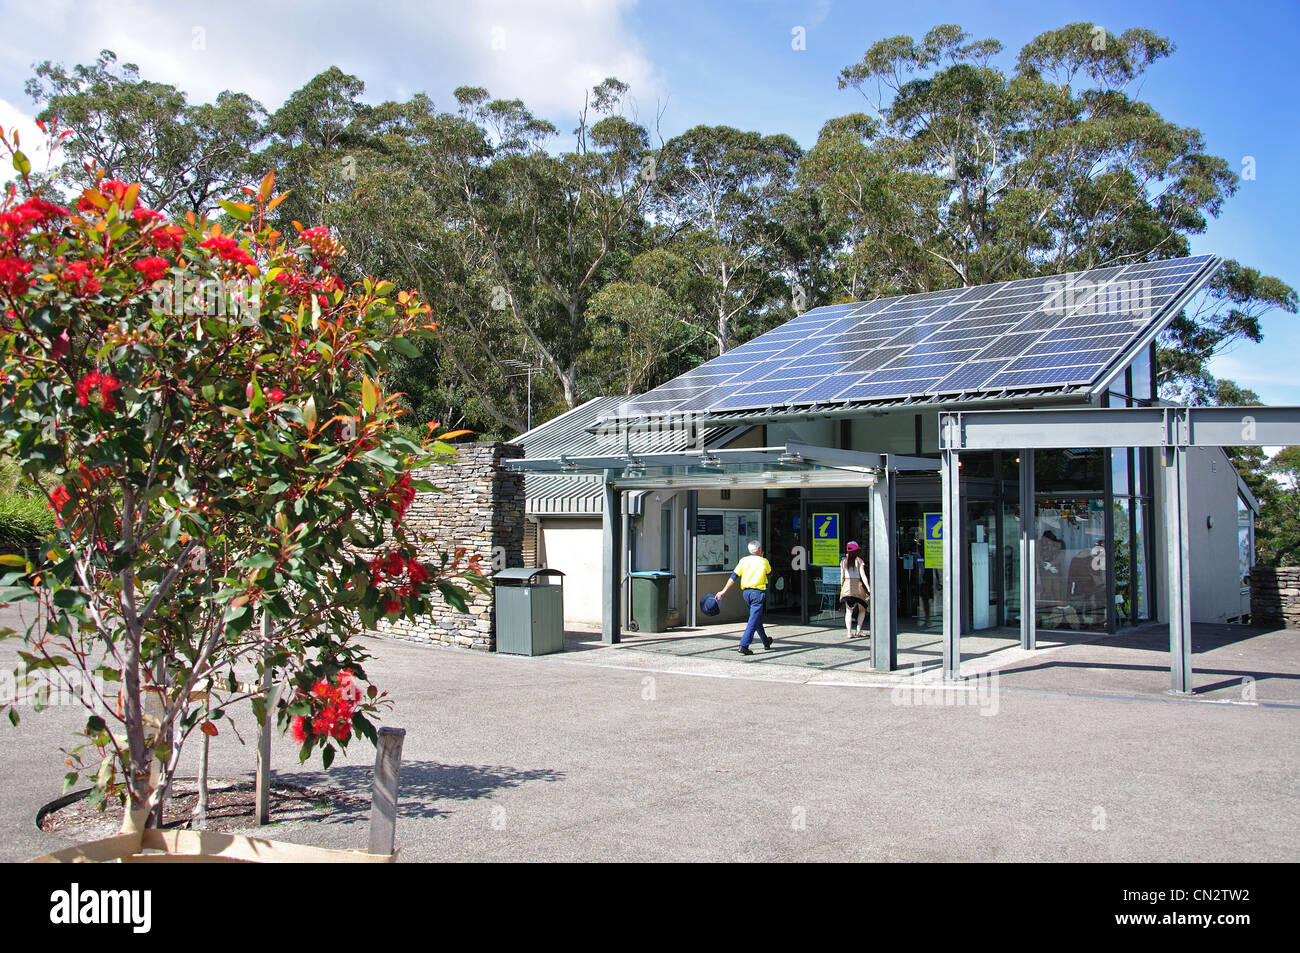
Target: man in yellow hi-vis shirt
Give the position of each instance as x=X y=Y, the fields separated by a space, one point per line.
x=752 y=572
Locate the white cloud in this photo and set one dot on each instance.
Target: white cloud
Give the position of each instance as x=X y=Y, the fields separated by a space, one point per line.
x=547 y=52
x=31 y=141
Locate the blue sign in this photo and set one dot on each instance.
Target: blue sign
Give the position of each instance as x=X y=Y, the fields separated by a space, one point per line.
x=934 y=526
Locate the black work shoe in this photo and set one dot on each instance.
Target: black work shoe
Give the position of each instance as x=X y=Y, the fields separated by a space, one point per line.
x=744 y=650
x=767 y=644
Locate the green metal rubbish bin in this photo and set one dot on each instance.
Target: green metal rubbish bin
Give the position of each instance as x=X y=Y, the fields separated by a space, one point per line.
x=650 y=600
x=530 y=611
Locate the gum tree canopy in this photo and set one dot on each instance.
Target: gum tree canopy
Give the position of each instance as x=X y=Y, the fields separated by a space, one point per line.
x=205 y=412
x=963 y=173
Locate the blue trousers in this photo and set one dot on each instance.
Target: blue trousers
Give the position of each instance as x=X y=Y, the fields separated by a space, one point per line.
x=754 y=598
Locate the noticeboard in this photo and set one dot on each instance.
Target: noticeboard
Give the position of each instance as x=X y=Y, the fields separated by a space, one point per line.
x=722 y=537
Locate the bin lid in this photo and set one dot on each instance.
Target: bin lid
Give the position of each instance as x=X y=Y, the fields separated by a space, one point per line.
x=517 y=576
x=651 y=573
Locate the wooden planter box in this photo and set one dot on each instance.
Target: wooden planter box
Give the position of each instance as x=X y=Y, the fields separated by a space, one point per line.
x=152 y=846
x=175 y=847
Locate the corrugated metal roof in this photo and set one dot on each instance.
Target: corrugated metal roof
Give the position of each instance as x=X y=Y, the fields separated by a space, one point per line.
x=569 y=434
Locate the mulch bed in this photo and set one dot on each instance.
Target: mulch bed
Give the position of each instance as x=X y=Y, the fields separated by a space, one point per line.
x=230 y=809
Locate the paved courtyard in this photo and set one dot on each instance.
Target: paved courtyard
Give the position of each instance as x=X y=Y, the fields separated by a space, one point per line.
x=674 y=748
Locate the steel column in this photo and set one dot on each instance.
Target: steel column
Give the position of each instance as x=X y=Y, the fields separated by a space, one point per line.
x=884 y=574
x=611 y=563
x=1178 y=567
x=692 y=582
x=950 y=475
x=1028 y=554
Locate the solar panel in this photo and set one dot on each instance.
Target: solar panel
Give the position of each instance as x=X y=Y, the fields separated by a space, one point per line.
x=1051 y=331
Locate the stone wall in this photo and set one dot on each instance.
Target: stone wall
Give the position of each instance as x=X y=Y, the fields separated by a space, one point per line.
x=481 y=509
x=1275 y=596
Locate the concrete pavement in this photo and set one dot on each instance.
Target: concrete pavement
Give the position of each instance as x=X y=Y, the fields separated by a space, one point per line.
x=619 y=753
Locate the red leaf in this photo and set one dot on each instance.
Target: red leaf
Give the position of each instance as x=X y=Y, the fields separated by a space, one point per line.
x=209 y=729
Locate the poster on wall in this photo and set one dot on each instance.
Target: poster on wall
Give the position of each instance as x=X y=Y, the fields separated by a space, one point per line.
x=826 y=539
x=722 y=538
x=933 y=540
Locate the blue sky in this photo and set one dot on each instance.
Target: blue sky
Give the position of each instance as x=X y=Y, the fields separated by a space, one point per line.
x=1233 y=76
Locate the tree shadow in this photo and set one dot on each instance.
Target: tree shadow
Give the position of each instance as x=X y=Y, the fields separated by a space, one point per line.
x=420 y=785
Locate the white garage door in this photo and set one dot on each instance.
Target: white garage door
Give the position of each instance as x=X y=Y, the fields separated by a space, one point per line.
x=573 y=547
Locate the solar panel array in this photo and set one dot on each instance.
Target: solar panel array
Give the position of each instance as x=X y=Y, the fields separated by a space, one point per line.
x=1035 y=333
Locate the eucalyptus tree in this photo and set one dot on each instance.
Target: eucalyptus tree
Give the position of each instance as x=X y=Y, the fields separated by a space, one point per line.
x=717 y=199
x=644 y=323
x=965 y=173
x=555 y=227
x=319 y=138
x=185 y=157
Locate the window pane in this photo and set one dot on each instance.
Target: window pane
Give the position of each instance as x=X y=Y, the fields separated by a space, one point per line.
x=1071 y=535
x=1142 y=375
x=1141 y=518
x=1119 y=472
x=1124 y=607
x=1068 y=471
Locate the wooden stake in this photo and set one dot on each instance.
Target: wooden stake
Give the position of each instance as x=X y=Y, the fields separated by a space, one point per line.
x=383 y=791
x=263 y=787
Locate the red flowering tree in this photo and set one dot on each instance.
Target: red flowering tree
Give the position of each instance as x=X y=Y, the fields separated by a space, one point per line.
x=205 y=413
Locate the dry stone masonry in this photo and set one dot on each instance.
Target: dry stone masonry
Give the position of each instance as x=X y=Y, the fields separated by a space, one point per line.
x=1275 y=596
x=480 y=508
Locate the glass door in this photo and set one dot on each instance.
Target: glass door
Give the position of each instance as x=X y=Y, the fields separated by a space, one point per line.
x=919 y=598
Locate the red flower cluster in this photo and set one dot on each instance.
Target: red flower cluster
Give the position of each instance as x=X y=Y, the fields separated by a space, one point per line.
x=324 y=246
x=275 y=395
x=167 y=238
x=393 y=567
x=21 y=218
x=13 y=276
x=78 y=274
x=399 y=497
x=336 y=704
x=227 y=249
x=102 y=386
x=153 y=268
x=299 y=286
x=143 y=215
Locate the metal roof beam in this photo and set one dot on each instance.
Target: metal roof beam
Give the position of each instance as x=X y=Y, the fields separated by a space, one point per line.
x=1120 y=427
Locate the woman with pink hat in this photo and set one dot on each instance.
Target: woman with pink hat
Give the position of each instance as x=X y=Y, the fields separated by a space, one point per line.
x=855 y=591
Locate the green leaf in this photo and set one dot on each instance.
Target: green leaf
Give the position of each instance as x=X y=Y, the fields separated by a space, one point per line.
x=13 y=716
x=259 y=709
x=237 y=210
x=69 y=598
x=13 y=559
x=381 y=457
x=454 y=595
x=21 y=164
x=369 y=394
x=69 y=780
x=327 y=756
x=405 y=347
x=94 y=725
x=309 y=414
